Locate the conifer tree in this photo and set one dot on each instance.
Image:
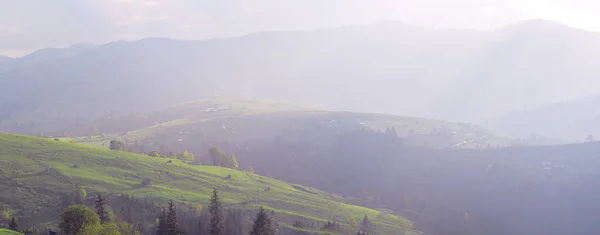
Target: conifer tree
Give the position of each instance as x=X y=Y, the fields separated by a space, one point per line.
x=101 y=209
x=262 y=224
x=171 y=220
x=217 y=224
x=366 y=224
x=13 y=225
x=162 y=228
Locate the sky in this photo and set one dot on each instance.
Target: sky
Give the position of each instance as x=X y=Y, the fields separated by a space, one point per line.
x=27 y=25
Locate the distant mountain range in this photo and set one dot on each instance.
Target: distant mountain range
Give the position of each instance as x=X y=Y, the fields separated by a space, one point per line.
x=5 y=59
x=570 y=121
x=40 y=56
x=386 y=68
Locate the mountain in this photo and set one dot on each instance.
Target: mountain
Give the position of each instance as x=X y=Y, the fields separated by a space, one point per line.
x=383 y=68
x=570 y=121
x=44 y=55
x=5 y=59
x=37 y=173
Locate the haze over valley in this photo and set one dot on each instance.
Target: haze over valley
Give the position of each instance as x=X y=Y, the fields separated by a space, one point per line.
x=215 y=118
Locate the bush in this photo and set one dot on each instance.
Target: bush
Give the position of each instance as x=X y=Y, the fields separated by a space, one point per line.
x=75 y=218
x=154 y=154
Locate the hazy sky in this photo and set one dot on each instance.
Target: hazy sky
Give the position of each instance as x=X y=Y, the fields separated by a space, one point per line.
x=26 y=25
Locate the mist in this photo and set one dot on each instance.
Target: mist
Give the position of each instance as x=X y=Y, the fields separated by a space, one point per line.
x=62 y=23
x=299 y=117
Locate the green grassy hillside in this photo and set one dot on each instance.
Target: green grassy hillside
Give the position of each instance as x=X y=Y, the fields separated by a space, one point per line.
x=8 y=232
x=34 y=172
x=245 y=122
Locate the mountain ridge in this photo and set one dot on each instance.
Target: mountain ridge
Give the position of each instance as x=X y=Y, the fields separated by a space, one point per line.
x=380 y=69
x=572 y=120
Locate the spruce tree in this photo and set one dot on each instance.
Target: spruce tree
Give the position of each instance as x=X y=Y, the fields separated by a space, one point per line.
x=366 y=224
x=171 y=220
x=217 y=224
x=162 y=228
x=262 y=224
x=13 y=225
x=101 y=209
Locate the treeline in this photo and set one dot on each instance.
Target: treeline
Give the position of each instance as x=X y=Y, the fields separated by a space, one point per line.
x=100 y=219
x=95 y=216
x=217 y=157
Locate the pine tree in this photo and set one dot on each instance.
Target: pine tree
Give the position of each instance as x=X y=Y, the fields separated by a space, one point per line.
x=366 y=224
x=13 y=225
x=162 y=228
x=217 y=225
x=171 y=220
x=101 y=209
x=262 y=224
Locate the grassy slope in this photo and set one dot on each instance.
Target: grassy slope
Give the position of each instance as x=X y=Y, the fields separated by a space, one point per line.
x=8 y=232
x=34 y=171
x=263 y=120
x=252 y=120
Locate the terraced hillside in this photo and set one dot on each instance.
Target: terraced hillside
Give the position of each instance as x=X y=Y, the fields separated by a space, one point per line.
x=35 y=172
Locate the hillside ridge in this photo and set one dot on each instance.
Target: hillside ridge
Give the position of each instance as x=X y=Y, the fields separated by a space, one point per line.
x=55 y=167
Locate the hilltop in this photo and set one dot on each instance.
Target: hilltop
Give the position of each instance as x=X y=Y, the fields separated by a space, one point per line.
x=243 y=123
x=384 y=68
x=36 y=172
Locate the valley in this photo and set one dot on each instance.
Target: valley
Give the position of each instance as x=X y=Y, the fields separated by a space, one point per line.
x=372 y=129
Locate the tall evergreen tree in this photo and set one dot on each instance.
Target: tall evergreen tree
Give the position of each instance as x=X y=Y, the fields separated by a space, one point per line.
x=262 y=224
x=162 y=228
x=217 y=224
x=101 y=209
x=366 y=224
x=171 y=220
x=13 y=225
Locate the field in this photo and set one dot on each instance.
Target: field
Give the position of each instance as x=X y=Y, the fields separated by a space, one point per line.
x=8 y=232
x=34 y=172
x=243 y=121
